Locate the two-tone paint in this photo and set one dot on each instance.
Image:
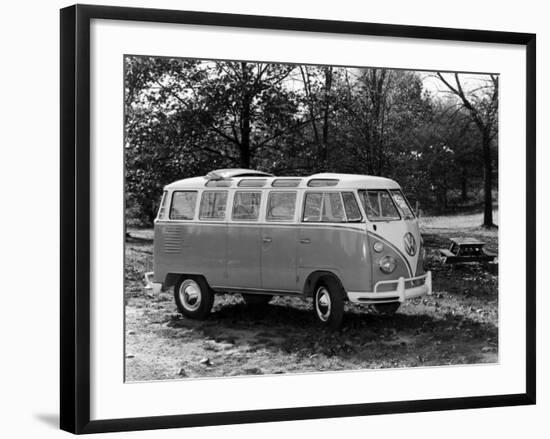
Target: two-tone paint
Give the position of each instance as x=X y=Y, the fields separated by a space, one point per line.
x=287 y=257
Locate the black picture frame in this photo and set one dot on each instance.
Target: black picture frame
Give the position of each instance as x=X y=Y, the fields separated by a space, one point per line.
x=75 y=217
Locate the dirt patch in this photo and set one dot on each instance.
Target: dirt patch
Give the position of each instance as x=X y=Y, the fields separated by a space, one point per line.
x=457 y=324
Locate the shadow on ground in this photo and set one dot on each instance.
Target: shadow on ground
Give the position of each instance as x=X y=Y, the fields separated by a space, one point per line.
x=294 y=330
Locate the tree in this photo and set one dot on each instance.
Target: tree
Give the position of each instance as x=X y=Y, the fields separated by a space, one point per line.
x=383 y=111
x=185 y=117
x=368 y=104
x=247 y=105
x=482 y=107
x=320 y=101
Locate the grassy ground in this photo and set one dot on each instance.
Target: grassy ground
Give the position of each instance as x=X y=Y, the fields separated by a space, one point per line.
x=457 y=324
x=464 y=222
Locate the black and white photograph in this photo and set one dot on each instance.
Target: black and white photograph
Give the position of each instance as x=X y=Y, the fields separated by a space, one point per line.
x=274 y=219
x=297 y=218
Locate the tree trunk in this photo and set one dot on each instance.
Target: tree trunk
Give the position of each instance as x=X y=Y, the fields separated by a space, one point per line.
x=307 y=88
x=464 y=185
x=368 y=148
x=326 y=110
x=245 y=120
x=245 y=135
x=445 y=190
x=488 y=181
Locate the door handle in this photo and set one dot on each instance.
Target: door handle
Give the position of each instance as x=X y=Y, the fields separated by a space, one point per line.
x=267 y=239
x=305 y=241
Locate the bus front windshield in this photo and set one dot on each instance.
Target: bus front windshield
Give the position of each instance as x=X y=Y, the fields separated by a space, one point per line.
x=402 y=204
x=384 y=205
x=379 y=205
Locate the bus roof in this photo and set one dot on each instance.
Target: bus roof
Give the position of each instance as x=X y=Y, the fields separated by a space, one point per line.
x=232 y=178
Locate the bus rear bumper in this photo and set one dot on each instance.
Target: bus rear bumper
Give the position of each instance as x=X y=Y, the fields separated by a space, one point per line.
x=399 y=294
x=150 y=284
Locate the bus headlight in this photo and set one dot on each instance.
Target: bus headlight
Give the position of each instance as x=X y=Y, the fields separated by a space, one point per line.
x=387 y=264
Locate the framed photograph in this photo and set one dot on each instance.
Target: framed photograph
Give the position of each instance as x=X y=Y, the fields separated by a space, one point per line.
x=272 y=218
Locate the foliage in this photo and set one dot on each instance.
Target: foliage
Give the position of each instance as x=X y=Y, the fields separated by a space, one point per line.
x=185 y=117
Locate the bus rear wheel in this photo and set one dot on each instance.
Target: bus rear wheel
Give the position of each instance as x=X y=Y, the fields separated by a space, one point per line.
x=193 y=296
x=328 y=304
x=257 y=299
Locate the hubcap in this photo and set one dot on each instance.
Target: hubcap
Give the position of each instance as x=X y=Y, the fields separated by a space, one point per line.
x=322 y=304
x=190 y=295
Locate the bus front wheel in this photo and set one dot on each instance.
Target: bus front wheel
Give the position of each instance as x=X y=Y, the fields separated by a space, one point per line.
x=193 y=296
x=328 y=304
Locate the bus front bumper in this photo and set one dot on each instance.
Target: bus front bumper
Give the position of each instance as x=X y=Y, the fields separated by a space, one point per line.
x=150 y=284
x=398 y=294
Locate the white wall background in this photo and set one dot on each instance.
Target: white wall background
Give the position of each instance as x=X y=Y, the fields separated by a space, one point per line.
x=29 y=186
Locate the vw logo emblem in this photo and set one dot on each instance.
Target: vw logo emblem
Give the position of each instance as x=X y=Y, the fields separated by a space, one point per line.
x=410 y=244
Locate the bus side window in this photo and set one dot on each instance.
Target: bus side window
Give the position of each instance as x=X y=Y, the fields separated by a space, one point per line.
x=162 y=206
x=183 y=205
x=312 y=207
x=323 y=207
x=280 y=206
x=213 y=205
x=353 y=213
x=333 y=208
x=246 y=206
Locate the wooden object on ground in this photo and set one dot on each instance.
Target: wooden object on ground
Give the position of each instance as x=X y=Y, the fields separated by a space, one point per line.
x=466 y=250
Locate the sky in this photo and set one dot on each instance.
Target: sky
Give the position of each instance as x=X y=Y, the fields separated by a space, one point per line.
x=469 y=81
x=432 y=84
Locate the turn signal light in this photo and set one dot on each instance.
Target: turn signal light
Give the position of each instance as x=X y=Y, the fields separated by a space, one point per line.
x=378 y=246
